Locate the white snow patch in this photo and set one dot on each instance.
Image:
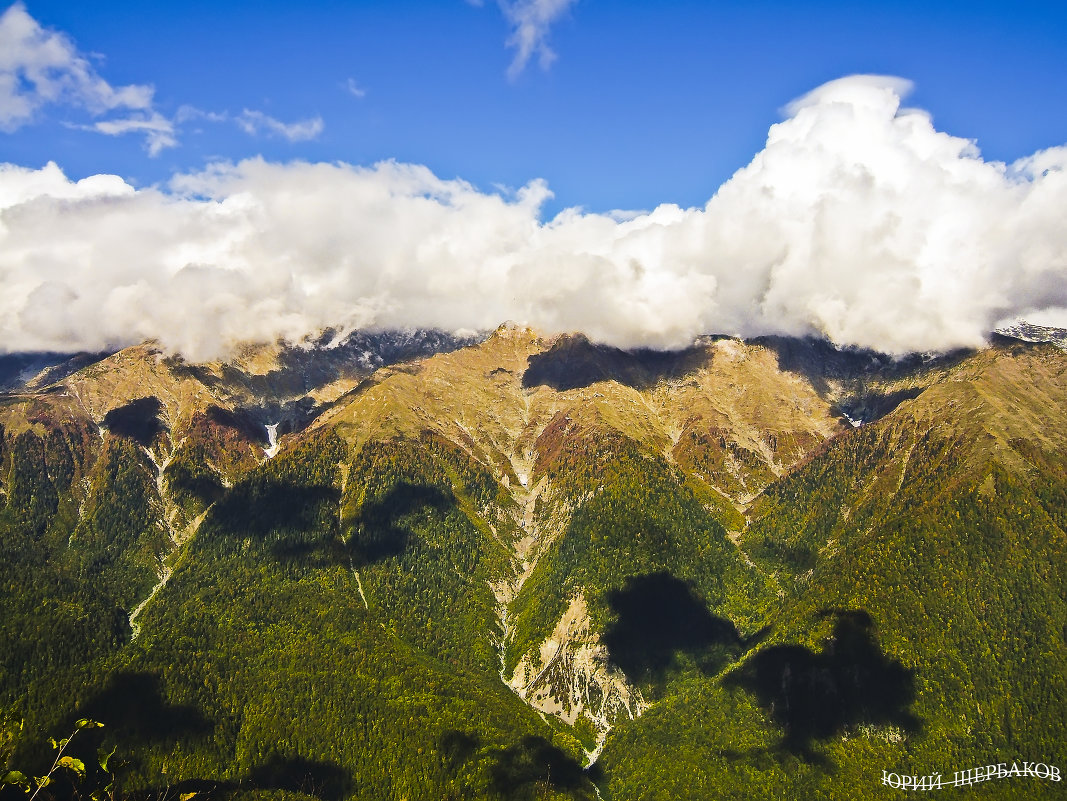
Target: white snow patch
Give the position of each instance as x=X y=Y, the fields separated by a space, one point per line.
x=272 y=440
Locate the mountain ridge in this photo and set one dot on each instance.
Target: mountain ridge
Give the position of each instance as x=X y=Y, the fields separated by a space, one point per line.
x=526 y=518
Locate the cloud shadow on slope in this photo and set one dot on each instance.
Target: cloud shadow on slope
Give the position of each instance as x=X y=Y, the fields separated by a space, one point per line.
x=659 y=618
x=316 y=778
x=378 y=533
x=816 y=696
x=535 y=763
x=138 y=420
x=574 y=362
x=134 y=705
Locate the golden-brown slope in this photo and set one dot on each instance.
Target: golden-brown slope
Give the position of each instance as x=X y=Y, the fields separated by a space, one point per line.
x=725 y=411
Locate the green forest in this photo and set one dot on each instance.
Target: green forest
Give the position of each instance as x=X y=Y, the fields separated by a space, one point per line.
x=323 y=624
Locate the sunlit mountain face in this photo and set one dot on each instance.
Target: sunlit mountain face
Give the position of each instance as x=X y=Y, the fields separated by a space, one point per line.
x=410 y=564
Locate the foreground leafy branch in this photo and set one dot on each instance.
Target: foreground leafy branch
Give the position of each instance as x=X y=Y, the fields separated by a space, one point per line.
x=99 y=789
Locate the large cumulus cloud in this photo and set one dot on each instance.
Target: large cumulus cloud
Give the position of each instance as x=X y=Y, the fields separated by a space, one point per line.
x=858 y=220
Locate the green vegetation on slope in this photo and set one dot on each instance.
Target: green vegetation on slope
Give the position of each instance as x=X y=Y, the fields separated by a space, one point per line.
x=899 y=603
x=261 y=649
x=922 y=630
x=633 y=515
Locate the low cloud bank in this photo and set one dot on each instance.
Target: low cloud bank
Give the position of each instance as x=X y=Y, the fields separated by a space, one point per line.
x=858 y=221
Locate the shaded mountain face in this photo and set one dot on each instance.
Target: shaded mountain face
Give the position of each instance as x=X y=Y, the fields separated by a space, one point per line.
x=35 y=370
x=406 y=565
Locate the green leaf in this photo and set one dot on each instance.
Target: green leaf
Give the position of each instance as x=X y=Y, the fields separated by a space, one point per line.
x=104 y=757
x=15 y=777
x=43 y=781
x=88 y=723
x=70 y=763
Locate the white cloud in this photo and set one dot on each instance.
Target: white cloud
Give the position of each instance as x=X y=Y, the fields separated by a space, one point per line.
x=256 y=122
x=158 y=131
x=865 y=91
x=39 y=67
x=531 y=21
x=354 y=89
x=187 y=113
x=857 y=220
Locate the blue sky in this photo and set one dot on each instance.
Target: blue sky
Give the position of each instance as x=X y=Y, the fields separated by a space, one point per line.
x=890 y=176
x=644 y=103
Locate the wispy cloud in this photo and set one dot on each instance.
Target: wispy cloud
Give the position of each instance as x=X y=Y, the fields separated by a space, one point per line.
x=40 y=67
x=256 y=122
x=354 y=89
x=531 y=21
x=188 y=113
x=159 y=132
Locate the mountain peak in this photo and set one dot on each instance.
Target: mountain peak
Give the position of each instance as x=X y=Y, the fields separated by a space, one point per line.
x=1029 y=332
x=511 y=330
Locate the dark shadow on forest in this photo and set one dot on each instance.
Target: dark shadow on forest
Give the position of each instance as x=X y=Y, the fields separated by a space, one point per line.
x=138 y=420
x=456 y=747
x=317 y=778
x=659 y=617
x=295 y=523
x=206 y=488
x=535 y=761
x=816 y=696
x=260 y=506
x=574 y=362
x=134 y=708
x=325 y=780
x=377 y=534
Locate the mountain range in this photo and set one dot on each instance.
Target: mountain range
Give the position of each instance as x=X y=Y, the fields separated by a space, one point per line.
x=411 y=565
